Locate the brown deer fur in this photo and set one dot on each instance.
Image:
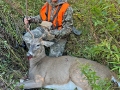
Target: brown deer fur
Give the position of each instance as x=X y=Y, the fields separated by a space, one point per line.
x=45 y=70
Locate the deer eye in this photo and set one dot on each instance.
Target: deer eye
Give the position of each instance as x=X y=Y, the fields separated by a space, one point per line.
x=38 y=45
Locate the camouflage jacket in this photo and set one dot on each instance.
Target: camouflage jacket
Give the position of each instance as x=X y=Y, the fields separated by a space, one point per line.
x=67 y=22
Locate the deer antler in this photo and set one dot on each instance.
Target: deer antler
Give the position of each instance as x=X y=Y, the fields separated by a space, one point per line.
x=43 y=35
x=28 y=29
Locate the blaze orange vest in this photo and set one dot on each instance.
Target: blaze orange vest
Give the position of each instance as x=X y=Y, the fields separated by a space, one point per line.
x=57 y=22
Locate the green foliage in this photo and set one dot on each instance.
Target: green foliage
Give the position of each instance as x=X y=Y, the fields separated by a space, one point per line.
x=107 y=53
x=99 y=21
x=10 y=65
x=33 y=7
x=13 y=64
x=95 y=82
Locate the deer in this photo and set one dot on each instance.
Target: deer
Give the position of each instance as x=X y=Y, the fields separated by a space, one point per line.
x=60 y=73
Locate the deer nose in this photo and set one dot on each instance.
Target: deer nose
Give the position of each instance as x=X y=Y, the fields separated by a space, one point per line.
x=29 y=55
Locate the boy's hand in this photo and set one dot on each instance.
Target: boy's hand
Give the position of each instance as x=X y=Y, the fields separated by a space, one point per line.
x=26 y=20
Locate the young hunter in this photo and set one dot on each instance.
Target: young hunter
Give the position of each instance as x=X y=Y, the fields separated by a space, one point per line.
x=56 y=15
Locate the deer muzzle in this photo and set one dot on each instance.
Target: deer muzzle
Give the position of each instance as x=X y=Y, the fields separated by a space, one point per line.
x=29 y=56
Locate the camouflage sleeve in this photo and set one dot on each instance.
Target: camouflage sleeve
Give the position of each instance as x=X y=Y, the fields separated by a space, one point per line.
x=67 y=24
x=35 y=19
x=68 y=21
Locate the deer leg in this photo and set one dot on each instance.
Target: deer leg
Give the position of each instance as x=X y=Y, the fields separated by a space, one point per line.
x=29 y=84
x=79 y=79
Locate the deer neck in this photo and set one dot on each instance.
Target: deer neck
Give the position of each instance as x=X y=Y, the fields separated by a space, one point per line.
x=39 y=55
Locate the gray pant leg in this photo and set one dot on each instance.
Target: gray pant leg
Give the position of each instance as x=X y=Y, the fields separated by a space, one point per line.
x=57 y=49
x=37 y=32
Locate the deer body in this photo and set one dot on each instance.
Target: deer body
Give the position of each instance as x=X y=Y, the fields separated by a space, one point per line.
x=59 y=73
x=65 y=69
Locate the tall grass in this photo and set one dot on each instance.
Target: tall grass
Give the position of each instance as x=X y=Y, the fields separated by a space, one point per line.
x=99 y=21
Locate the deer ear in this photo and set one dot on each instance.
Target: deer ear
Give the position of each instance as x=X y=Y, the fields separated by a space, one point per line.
x=47 y=43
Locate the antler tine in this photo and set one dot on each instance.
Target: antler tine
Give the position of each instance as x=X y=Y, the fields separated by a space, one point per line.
x=28 y=29
x=43 y=35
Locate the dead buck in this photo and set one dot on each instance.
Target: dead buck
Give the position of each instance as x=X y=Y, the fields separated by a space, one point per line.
x=59 y=73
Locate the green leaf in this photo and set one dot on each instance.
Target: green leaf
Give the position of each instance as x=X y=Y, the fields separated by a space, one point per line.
x=115 y=48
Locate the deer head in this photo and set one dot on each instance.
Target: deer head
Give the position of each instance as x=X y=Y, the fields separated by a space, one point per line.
x=37 y=46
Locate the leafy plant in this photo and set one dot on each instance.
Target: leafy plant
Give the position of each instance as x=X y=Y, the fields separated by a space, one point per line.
x=95 y=82
x=100 y=24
